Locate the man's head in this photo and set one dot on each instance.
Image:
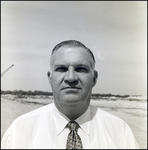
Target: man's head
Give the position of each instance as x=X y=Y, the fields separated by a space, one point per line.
x=72 y=43
x=72 y=77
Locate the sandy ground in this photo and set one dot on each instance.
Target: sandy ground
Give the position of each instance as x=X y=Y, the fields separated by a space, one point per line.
x=134 y=113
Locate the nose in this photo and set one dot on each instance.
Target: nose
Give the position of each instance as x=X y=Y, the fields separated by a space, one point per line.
x=70 y=75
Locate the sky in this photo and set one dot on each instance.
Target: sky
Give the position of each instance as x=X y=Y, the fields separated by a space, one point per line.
x=115 y=31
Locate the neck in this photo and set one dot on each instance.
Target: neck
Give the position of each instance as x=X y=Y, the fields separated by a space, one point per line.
x=73 y=112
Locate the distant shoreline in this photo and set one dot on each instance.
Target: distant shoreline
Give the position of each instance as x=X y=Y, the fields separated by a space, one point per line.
x=21 y=93
x=46 y=99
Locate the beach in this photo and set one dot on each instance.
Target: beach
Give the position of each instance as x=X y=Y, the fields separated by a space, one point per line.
x=133 y=110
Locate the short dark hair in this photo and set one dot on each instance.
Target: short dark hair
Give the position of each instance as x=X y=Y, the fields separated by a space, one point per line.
x=72 y=43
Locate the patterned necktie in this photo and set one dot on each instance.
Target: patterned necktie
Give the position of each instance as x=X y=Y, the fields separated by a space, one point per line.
x=73 y=140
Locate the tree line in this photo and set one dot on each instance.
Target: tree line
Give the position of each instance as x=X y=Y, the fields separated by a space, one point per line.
x=37 y=92
x=21 y=92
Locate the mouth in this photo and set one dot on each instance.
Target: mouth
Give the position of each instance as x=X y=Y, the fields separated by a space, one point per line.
x=71 y=88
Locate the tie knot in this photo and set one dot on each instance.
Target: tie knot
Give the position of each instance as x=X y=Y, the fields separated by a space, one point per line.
x=73 y=126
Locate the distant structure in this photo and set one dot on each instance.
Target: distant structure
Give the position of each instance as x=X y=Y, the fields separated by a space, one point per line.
x=6 y=70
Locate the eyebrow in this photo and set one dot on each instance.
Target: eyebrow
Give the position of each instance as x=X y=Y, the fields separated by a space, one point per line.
x=77 y=65
x=56 y=66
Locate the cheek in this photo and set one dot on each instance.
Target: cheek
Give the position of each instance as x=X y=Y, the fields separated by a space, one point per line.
x=87 y=82
x=55 y=80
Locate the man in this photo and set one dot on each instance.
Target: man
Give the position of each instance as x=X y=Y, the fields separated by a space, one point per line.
x=70 y=122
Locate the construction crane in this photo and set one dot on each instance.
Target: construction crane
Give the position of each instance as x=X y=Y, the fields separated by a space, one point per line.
x=6 y=70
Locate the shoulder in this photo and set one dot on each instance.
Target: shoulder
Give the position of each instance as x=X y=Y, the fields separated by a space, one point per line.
x=26 y=126
x=106 y=117
x=113 y=127
x=111 y=123
x=34 y=115
x=29 y=122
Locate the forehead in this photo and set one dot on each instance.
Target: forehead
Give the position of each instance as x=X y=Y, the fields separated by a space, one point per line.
x=72 y=56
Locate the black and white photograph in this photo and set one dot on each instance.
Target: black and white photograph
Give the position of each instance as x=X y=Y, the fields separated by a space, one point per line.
x=74 y=74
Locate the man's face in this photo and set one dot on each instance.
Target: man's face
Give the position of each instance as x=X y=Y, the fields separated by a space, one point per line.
x=71 y=77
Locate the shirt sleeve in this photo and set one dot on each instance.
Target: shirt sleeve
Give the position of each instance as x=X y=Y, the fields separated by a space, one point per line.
x=131 y=141
x=6 y=142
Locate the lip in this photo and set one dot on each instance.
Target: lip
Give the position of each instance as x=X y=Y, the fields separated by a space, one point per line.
x=71 y=88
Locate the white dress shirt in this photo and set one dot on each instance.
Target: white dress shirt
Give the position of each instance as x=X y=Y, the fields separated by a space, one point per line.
x=44 y=128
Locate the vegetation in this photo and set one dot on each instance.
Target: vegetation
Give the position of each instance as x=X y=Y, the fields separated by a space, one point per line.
x=36 y=92
x=21 y=92
x=97 y=95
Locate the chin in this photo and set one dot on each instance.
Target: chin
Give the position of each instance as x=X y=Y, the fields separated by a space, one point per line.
x=71 y=99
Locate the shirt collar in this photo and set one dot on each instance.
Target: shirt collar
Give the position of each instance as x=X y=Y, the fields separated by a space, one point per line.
x=61 y=120
x=84 y=120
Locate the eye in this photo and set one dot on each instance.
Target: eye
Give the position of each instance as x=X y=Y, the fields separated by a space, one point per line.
x=81 y=69
x=61 y=69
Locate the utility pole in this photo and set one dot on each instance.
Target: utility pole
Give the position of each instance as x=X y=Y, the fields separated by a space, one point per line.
x=6 y=70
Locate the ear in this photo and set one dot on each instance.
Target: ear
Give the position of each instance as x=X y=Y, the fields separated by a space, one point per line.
x=48 y=75
x=95 y=77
